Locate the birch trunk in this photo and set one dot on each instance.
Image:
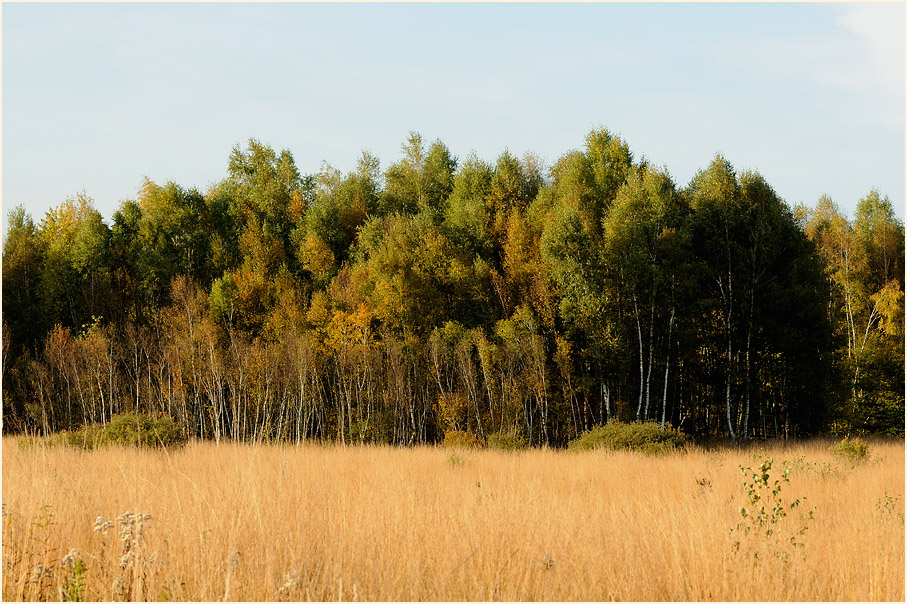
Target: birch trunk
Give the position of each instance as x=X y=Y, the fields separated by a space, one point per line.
x=664 y=396
x=651 y=353
x=641 y=367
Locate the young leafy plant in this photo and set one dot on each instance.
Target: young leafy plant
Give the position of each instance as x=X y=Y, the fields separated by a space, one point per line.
x=74 y=581
x=764 y=526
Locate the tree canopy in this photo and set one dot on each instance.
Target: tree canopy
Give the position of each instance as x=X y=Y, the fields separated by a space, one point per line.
x=439 y=294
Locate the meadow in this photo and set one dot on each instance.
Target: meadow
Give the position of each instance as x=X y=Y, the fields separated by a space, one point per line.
x=263 y=522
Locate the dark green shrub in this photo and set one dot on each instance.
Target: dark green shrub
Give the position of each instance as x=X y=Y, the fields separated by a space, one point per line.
x=459 y=439
x=645 y=437
x=143 y=430
x=507 y=442
x=853 y=449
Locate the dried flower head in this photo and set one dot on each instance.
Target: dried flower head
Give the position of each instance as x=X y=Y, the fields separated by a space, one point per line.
x=132 y=525
x=125 y=518
x=70 y=559
x=40 y=571
x=102 y=524
x=126 y=559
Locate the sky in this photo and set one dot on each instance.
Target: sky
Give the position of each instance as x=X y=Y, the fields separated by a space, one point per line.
x=95 y=97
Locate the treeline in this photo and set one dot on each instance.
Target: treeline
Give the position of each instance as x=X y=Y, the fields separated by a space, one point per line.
x=440 y=295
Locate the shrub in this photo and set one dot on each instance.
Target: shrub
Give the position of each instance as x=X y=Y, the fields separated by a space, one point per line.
x=86 y=437
x=462 y=440
x=645 y=437
x=507 y=442
x=128 y=430
x=140 y=429
x=854 y=450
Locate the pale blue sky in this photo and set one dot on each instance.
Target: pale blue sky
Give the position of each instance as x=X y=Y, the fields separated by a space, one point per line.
x=96 y=96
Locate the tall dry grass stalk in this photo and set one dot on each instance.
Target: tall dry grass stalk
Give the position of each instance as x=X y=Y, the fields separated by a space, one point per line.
x=239 y=522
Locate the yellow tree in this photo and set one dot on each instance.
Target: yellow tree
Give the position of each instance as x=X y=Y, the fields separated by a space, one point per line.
x=350 y=340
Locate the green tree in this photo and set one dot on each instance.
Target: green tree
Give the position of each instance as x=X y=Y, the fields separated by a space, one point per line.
x=647 y=251
x=715 y=197
x=420 y=181
x=91 y=260
x=864 y=263
x=265 y=186
x=466 y=216
x=882 y=236
x=324 y=237
x=23 y=259
x=416 y=278
x=765 y=283
x=125 y=258
x=75 y=272
x=171 y=237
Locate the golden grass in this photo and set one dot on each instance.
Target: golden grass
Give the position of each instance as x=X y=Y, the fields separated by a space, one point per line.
x=242 y=522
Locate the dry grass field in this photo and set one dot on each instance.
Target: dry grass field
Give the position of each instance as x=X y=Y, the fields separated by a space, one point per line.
x=240 y=522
